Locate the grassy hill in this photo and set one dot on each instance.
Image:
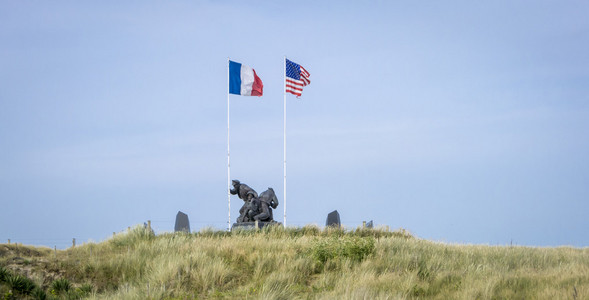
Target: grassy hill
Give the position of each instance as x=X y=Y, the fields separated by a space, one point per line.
x=275 y=263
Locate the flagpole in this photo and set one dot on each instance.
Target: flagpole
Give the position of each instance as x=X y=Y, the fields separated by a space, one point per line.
x=228 y=158
x=284 y=92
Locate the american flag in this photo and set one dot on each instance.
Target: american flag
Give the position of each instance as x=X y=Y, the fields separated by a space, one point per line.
x=296 y=78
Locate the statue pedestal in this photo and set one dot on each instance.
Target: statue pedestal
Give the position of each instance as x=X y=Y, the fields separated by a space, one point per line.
x=252 y=225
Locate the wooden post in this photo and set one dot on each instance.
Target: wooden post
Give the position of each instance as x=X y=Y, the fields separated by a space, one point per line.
x=73 y=242
x=363 y=224
x=149 y=225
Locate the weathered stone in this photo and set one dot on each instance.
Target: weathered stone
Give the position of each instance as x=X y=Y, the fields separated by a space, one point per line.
x=370 y=224
x=333 y=219
x=182 y=223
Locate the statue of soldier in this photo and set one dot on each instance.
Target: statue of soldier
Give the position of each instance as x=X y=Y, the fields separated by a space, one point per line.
x=248 y=195
x=265 y=202
x=243 y=191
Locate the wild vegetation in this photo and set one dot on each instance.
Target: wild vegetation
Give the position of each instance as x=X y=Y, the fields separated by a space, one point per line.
x=292 y=263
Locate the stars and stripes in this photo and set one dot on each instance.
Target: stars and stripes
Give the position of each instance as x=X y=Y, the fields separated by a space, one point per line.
x=296 y=78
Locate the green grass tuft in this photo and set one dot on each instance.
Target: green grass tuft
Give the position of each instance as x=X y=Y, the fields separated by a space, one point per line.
x=20 y=284
x=4 y=273
x=39 y=294
x=60 y=286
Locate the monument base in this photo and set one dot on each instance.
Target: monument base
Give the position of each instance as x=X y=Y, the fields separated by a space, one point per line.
x=252 y=225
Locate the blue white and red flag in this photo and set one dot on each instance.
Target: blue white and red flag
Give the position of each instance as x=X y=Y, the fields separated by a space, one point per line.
x=296 y=78
x=244 y=81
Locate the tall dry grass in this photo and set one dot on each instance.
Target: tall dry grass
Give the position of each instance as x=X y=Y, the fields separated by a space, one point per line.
x=303 y=263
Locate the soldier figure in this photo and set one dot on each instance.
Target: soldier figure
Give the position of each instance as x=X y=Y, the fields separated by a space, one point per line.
x=254 y=208
x=267 y=199
x=248 y=195
x=243 y=191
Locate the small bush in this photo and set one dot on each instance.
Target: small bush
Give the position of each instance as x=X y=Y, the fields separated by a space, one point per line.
x=85 y=290
x=4 y=273
x=60 y=286
x=20 y=284
x=39 y=294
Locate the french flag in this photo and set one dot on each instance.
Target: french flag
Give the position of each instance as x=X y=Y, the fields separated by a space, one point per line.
x=244 y=81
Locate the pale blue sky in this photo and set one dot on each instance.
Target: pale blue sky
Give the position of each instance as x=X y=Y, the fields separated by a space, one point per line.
x=460 y=121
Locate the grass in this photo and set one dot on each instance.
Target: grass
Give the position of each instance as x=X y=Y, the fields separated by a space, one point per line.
x=294 y=263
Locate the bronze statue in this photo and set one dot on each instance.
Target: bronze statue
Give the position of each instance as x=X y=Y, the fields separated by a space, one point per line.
x=254 y=208
x=267 y=200
x=243 y=191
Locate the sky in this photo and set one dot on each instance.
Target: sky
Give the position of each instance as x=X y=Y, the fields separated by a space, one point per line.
x=459 y=121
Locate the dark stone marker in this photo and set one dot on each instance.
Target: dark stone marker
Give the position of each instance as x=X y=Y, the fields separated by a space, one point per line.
x=333 y=219
x=182 y=223
x=370 y=224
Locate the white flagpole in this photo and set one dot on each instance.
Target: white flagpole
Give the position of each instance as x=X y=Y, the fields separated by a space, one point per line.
x=228 y=158
x=284 y=91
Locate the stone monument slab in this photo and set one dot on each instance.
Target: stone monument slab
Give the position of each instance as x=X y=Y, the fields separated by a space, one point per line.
x=182 y=223
x=333 y=219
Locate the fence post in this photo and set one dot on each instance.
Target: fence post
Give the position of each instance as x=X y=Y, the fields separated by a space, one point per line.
x=73 y=242
x=363 y=224
x=149 y=225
